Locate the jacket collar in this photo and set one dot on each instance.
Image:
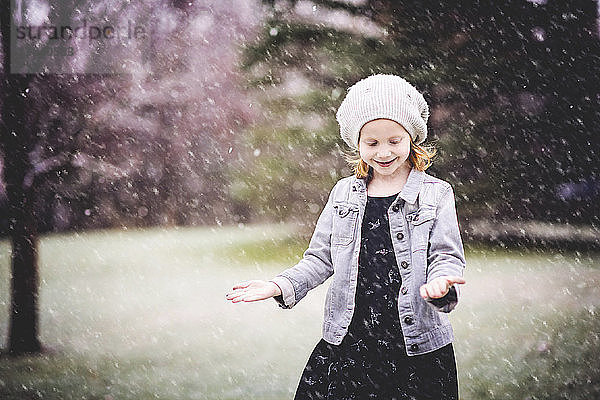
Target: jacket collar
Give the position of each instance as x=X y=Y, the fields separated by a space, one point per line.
x=413 y=185
x=409 y=192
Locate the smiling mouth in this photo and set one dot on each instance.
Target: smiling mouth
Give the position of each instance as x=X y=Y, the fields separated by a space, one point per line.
x=386 y=164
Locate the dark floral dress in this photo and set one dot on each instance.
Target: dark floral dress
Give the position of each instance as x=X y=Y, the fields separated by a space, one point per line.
x=371 y=362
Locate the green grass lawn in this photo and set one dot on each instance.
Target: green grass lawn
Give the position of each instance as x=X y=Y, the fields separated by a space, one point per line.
x=143 y=315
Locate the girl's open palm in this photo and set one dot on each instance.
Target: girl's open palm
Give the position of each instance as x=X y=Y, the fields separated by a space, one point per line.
x=253 y=291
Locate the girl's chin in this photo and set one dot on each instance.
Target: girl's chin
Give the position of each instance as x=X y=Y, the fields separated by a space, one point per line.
x=386 y=171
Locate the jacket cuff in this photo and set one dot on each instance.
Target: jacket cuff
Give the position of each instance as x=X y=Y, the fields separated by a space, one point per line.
x=287 y=299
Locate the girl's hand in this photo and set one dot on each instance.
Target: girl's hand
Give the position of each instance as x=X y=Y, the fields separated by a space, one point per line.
x=439 y=287
x=253 y=291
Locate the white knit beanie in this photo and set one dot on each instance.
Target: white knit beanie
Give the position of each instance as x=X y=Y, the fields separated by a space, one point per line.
x=383 y=96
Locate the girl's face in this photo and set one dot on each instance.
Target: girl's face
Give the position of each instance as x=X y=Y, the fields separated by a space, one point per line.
x=384 y=145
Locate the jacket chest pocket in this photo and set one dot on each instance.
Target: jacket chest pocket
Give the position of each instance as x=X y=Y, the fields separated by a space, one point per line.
x=420 y=223
x=344 y=224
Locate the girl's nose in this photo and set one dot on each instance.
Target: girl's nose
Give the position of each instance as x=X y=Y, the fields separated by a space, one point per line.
x=384 y=152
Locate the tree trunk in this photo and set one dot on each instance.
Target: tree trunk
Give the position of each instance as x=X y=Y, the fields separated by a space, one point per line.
x=16 y=141
x=23 y=330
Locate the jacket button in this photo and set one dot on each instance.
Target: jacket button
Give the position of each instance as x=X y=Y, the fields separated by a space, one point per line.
x=404 y=264
x=404 y=290
x=395 y=207
x=414 y=347
x=400 y=236
x=408 y=320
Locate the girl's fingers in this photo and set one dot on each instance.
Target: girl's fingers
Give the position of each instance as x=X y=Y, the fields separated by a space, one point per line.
x=444 y=288
x=439 y=287
x=423 y=292
x=436 y=289
x=246 y=295
x=238 y=290
x=237 y=299
x=242 y=285
x=235 y=295
x=456 y=279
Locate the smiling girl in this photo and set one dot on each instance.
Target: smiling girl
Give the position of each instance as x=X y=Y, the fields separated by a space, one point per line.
x=389 y=236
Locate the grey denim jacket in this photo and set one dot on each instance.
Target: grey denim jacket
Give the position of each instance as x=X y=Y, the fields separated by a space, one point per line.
x=427 y=244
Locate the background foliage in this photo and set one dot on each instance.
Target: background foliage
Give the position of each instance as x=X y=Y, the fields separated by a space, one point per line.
x=512 y=88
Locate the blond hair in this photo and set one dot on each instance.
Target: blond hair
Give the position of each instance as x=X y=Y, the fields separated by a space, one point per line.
x=420 y=158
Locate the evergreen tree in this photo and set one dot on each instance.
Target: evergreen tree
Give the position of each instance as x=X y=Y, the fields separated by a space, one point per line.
x=511 y=86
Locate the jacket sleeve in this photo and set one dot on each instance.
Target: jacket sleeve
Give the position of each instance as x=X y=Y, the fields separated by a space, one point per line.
x=314 y=267
x=445 y=255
